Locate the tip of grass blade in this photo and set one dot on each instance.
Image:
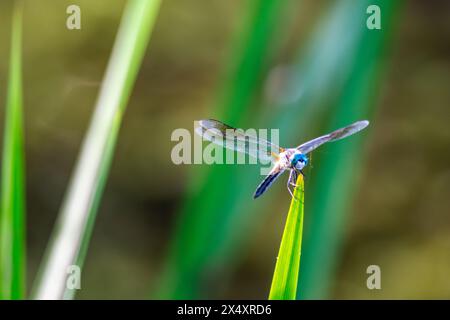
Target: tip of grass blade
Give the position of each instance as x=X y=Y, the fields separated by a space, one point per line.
x=285 y=277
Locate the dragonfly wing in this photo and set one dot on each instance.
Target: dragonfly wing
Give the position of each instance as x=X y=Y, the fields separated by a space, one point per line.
x=266 y=183
x=335 y=135
x=237 y=139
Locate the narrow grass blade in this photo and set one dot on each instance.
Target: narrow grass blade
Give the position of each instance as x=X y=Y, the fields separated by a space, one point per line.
x=72 y=232
x=12 y=224
x=285 y=277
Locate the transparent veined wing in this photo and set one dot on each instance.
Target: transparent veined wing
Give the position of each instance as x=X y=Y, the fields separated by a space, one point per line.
x=335 y=135
x=237 y=139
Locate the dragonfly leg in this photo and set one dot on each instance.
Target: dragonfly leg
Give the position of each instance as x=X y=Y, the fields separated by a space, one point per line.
x=293 y=178
x=289 y=183
x=290 y=191
x=303 y=174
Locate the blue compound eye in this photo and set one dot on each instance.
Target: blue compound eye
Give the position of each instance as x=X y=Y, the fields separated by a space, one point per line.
x=299 y=158
x=296 y=159
x=305 y=159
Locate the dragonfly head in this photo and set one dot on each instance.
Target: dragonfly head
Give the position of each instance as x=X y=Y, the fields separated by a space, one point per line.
x=299 y=159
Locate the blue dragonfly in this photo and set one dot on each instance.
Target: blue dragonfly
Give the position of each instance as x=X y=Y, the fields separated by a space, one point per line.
x=282 y=159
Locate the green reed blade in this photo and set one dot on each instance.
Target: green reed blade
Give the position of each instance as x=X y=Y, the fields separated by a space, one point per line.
x=285 y=277
x=12 y=210
x=72 y=232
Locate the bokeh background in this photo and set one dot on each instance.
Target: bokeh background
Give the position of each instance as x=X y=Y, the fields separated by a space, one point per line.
x=305 y=67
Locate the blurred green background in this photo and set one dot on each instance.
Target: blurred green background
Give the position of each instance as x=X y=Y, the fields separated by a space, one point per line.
x=302 y=66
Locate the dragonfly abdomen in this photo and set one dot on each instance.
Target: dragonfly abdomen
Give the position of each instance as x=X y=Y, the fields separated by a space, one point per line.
x=266 y=183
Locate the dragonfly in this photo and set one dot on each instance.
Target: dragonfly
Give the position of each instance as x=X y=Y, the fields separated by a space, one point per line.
x=282 y=159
